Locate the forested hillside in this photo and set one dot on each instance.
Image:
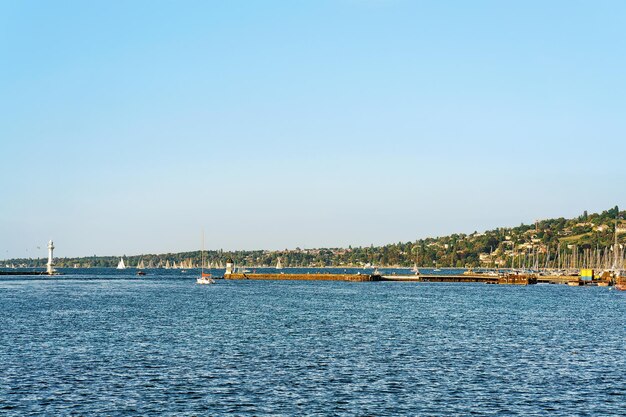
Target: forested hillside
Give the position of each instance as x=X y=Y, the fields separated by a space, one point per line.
x=547 y=242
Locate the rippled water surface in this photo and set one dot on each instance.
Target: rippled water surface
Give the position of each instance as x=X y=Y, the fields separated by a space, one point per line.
x=112 y=344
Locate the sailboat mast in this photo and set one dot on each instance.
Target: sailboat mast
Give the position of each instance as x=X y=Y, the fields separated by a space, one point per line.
x=202 y=255
x=615 y=247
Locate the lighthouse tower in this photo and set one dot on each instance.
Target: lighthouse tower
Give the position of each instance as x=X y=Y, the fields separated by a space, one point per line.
x=50 y=263
x=230 y=266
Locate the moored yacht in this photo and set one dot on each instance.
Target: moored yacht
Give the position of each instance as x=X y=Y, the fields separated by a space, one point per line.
x=204 y=278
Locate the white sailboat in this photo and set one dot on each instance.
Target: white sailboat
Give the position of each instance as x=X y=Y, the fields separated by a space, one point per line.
x=184 y=265
x=121 y=264
x=204 y=278
x=415 y=268
x=140 y=268
x=279 y=265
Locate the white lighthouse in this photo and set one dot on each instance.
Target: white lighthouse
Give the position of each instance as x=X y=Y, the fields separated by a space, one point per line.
x=50 y=263
x=230 y=267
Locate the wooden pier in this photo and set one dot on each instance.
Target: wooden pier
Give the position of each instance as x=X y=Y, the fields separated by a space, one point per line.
x=515 y=279
x=305 y=277
x=508 y=279
x=487 y=279
x=557 y=279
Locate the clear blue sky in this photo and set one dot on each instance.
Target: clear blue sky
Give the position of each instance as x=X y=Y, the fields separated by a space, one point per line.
x=128 y=126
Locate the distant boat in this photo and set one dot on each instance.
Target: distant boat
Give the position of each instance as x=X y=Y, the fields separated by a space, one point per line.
x=204 y=278
x=121 y=265
x=167 y=264
x=279 y=265
x=140 y=265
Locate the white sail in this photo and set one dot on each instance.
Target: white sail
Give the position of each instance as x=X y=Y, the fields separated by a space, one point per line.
x=279 y=265
x=121 y=265
x=167 y=264
x=140 y=265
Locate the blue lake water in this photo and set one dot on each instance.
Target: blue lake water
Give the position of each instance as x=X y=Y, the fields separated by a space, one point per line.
x=104 y=342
